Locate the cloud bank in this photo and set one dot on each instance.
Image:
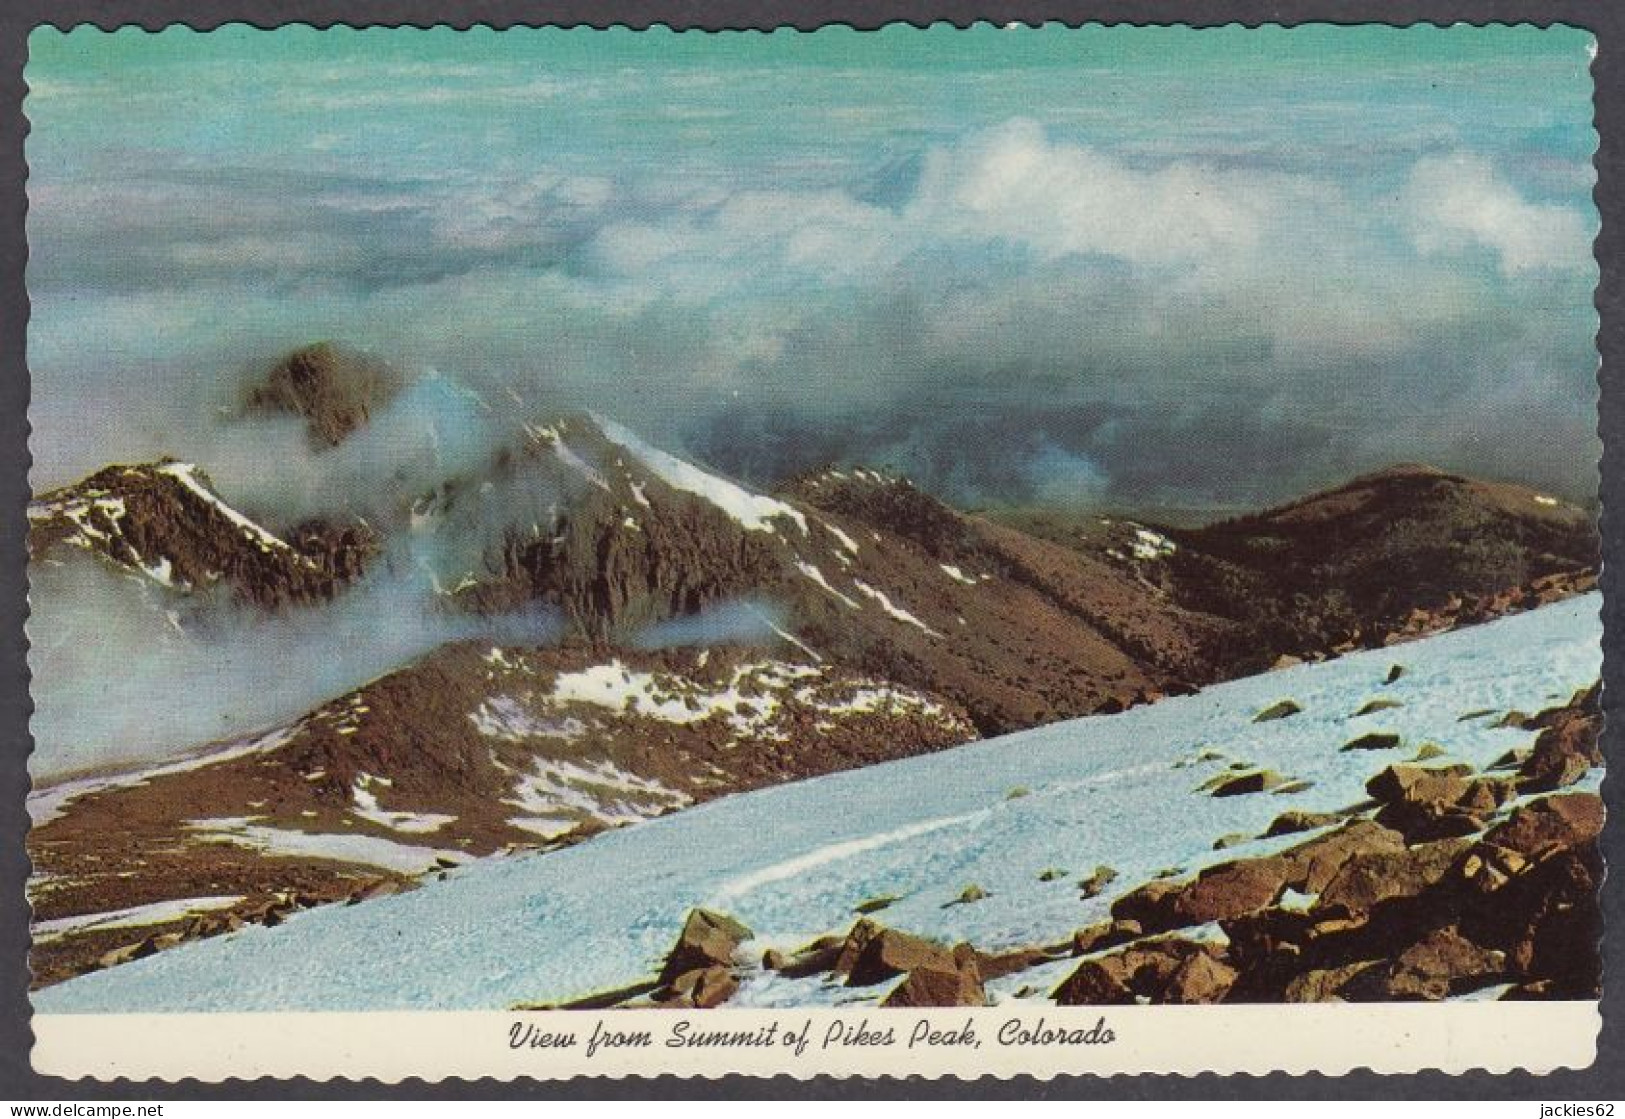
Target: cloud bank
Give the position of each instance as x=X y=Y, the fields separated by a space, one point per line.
x=1053 y=288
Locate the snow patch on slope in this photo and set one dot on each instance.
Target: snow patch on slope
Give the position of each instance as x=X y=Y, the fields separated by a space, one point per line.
x=1117 y=789
x=752 y=511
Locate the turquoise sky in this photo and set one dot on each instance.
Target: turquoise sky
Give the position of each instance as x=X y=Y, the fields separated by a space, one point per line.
x=1099 y=264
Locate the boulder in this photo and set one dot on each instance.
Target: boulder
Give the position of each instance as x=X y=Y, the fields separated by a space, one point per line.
x=1441 y=964
x=1282 y=710
x=1201 y=979
x=701 y=988
x=1377 y=740
x=1428 y=751
x=1317 y=861
x=873 y=953
x=1233 y=839
x=1381 y=703
x=1399 y=783
x=1327 y=984
x=1096 y=883
x=1231 y=889
x=1394 y=673
x=1565 y=751
x=1101 y=982
x=1150 y=906
x=708 y=938
x=1550 y=823
x=1241 y=784
x=1370 y=878
x=1145 y=969
x=875 y=904
x=1288 y=823
x=1105 y=934
x=934 y=986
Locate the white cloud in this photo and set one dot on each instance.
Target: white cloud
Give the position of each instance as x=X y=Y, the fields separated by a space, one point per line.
x=1458 y=202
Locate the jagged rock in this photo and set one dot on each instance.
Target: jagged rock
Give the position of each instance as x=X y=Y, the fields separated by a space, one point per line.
x=1231 y=889
x=934 y=986
x=1440 y=964
x=1327 y=984
x=1290 y=822
x=774 y=960
x=1285 y=660
x=1282 y=710
x=1553 y=822
x=1105 y=934
x=1428 y=751
x=1150 y=905
x=1241 y=784
x=1556 y=912
x=1399 y=783
x=1234 y=839
x=873 y=953
x=820 y=956
x=1514 y=718
x=1381 y=703
x=708 y=938
x=1145 y=969
x=1378 y=740
x=1370 y=878
x=1051 y=874
x=1394 y=674
x=1566 y=750
x=123 y=955
x=1096 y=883
x=876 y=904
x=1201 y=979
x=1291 y=787
x=970 y=894
x=1317 y=861
x=702 y=988
x=1101 y=982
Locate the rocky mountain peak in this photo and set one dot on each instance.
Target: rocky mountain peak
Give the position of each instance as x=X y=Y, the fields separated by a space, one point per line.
x=333 y=387
x=165 y=522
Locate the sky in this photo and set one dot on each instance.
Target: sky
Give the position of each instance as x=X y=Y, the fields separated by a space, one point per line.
x=1096 y=267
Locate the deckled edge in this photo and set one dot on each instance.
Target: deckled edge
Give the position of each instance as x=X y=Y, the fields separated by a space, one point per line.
x=1602 y=21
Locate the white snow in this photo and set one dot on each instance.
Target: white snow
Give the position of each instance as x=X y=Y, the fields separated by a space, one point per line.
x=892 y=609
x=954 y=573
x=1100 y=790
x=46 y=803
x=847 y=542
x=753 y=511
x=186 y=474
x=817 y=576
x=366 y=850
x=136 y=916
x=601 y=790
x=1542 y=499
x=412 y=823
x=1148 y=545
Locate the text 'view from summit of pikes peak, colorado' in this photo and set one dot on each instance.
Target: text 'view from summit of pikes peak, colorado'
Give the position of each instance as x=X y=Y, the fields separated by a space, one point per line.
x=1016 y=550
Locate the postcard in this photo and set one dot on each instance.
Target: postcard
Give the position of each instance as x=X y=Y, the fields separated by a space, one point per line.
x=1017 y=550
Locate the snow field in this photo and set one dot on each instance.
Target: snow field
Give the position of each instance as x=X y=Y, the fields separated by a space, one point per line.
x=794 y=860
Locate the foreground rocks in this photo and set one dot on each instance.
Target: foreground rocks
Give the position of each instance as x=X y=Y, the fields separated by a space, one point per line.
x=1435 y=888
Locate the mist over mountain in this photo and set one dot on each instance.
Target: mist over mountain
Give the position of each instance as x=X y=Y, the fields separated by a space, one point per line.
x=1018 y=295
